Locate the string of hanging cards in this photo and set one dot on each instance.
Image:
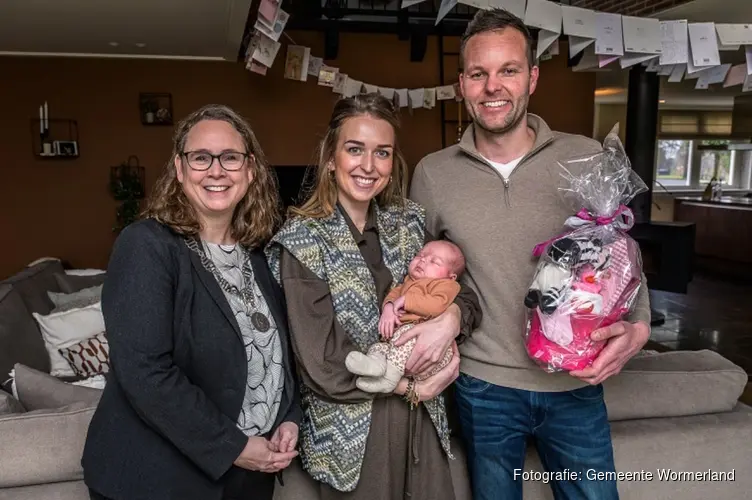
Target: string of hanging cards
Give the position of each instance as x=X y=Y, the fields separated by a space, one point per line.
x=677 y=49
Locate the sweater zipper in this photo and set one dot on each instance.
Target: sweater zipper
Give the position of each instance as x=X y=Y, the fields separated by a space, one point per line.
x=505 y=180
x=522 y=160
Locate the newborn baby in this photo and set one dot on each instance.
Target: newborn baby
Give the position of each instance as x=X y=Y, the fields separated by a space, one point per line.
x=429 y=288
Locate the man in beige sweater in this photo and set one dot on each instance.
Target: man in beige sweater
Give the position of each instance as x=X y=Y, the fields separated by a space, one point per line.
x=495 y=195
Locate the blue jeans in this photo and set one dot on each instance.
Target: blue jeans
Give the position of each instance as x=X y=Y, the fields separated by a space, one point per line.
x=569 y=429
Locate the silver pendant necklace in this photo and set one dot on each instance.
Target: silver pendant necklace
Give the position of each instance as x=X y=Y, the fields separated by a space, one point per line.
x=246 y=294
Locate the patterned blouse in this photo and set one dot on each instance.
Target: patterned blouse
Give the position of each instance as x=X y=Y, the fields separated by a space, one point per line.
x=231 y=267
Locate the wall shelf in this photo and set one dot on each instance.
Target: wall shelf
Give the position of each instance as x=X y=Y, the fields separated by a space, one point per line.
x=155 y=108
x=59 y=142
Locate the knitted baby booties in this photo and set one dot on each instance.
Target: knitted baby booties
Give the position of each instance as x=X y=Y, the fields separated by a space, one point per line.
x=385 y=384
x=370 y=365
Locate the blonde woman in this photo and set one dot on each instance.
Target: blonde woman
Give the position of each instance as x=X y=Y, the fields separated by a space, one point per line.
x=337 y=257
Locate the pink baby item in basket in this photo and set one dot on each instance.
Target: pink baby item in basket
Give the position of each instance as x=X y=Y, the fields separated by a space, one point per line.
x=576 y=355
x=561 y=340
x=624 y=276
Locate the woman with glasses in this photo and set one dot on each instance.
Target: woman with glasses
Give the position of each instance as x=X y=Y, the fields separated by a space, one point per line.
x=201 y=400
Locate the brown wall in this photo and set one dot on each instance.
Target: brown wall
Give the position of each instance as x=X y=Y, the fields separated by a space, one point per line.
x=63 y=208
x=608 y=115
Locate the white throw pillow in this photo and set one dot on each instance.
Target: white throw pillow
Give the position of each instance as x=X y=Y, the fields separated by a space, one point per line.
x=84 y=272
x=66 y=328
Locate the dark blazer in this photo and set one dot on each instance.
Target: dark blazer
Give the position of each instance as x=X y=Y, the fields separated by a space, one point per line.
x=165 y=427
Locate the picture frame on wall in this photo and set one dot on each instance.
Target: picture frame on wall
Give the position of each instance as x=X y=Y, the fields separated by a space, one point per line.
x=155 y=108
x=65 y=148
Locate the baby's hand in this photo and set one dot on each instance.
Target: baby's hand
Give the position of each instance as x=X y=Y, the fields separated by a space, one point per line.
x=387 y=321
x=399 y=305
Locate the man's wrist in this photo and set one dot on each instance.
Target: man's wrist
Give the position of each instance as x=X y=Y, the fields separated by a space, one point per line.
x=643 y=328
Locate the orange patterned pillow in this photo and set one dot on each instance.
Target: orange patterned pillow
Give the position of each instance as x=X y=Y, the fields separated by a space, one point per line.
x=89 y=357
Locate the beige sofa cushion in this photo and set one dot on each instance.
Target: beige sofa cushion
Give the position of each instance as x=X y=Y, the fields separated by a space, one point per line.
x=43 y=446
x=37 y=390
x=69 y=490
x=674 y=384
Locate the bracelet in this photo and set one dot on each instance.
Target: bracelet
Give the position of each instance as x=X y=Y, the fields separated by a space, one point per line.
x=408 y=390
x=416 y=398
x=411 y=394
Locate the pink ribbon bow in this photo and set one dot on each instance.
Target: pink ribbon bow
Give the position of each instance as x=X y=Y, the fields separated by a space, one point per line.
x=626 y=223
x=622 y=219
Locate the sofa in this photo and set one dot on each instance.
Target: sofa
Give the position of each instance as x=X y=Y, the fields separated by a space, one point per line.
x=44 y=418
x=671 y=412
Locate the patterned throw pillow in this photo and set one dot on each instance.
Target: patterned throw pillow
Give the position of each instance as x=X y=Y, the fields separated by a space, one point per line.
x=89 y=357
x=61 y=330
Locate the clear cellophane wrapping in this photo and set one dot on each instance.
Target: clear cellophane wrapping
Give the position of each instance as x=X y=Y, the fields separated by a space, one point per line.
x=587 y=277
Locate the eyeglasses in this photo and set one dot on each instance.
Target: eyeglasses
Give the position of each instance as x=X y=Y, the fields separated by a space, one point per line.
x=203 y=160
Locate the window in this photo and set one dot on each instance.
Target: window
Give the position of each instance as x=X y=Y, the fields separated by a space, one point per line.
x=716 y=161
x=674 y=161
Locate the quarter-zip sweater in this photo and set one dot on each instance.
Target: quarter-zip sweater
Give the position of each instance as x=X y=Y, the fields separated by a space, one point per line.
x=497 y=222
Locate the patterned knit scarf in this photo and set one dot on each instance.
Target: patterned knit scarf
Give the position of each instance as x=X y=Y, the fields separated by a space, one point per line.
x=333 y=435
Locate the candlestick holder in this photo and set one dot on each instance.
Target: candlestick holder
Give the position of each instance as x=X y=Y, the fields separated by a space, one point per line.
x=46 y=148
x=59 y=140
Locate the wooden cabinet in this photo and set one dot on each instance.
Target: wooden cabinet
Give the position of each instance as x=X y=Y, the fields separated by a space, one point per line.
x=723 y=229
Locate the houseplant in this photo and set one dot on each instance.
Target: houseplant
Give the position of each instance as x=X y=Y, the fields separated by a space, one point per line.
x=127 y=187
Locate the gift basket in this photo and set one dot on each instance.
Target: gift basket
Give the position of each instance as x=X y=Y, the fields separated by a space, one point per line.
x=587 y=277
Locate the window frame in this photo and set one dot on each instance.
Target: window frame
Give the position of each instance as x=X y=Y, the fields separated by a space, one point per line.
x=736 y=170
x=676 y=183
x=732 y=181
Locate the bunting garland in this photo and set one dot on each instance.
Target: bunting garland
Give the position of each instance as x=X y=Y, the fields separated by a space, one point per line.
x=677 y=49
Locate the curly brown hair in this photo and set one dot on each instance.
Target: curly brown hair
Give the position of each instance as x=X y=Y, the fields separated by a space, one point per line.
x=322 y=195
x=257 y=215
